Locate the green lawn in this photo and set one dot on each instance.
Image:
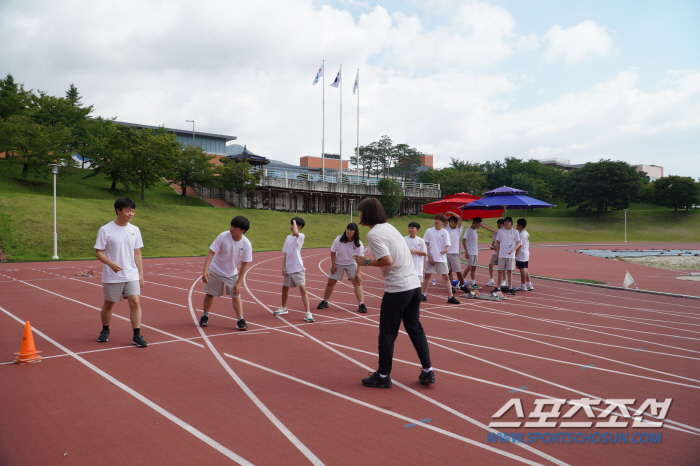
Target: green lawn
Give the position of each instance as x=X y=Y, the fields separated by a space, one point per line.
x=172 y=226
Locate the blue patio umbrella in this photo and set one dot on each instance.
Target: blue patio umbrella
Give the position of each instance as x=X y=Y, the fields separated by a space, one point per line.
x=506 y=198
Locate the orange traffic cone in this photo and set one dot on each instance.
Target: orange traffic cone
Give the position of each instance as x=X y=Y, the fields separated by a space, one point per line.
x=28 y=353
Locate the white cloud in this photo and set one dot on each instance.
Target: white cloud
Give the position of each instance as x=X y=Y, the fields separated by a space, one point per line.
x=577 y=43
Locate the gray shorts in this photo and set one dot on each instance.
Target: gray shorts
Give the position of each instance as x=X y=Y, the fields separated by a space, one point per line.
x=494 y=260
x=293 y=280
x=453 y=263
x=439 y=267
x=114 y=291
x=350 y=270
x=506 y=263
x=473 y=260
x=216 y=283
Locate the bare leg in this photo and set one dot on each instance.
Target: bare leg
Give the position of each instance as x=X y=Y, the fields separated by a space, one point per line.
x=208 y=301
x=491 y=271
x=501 y=277
x=510 y=278
x=238 y=306
x=106 y=312
x=285 y=295
x=359 y=294
x=304 y=298
x=135 y=308
x=448 y=284
x=460 y=277
x=329 y=289
x=426 y=282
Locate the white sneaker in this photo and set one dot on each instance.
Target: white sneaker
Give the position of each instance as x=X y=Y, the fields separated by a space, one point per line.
x=530 y=288
x=504 y=283
x=281 y=310
x=309 y=318
x=491 y=283
x=522 y=288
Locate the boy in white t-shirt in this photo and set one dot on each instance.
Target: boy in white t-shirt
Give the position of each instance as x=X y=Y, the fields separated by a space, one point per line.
x=293 y=269
x=343 y=251
x=507 y=241
x=454 y=229
x=118 y=247
x=221 y=272
x=437 y=242
x=418 y=251
x=471 y=253
x=494 y=257
x=522 y=256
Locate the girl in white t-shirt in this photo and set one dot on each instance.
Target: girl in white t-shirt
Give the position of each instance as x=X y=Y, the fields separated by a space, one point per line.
x=343 y=250
x=522 y=256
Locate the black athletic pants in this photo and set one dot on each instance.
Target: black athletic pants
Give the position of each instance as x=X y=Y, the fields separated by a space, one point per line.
x=397 y=307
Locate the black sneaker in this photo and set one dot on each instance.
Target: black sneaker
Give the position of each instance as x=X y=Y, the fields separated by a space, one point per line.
x=362 y=309
x=511 y=291
x=454 y=290
x=426 y=377
x=241 y=325
x=452 y=300
x=204 y=321
x=464 y=288
x=423 y=297
x=104 y=336
x=322 y=305
x=376 y=380
x=139 y=341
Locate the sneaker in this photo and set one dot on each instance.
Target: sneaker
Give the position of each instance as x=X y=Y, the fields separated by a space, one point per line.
x=521 y=288
x=423 y=298
x=309 y=318
x=491 y=283
x=426 y=377
x=530 y=288
x=104 y=336
x=281 y=311
x=475 y=287
x=452 y=300
x=362 y=309
x=377 y=381
x=204 y=321
x=322 y=305
x=139 y=341
x=511 y=292
x=241 y=325
x=464 y=288
x=454 y=290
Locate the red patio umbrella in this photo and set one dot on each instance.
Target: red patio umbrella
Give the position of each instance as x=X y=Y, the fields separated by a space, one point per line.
x=454 y=202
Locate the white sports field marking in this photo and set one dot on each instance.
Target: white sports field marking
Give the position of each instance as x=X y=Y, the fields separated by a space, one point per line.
x=176 y=420
x=276 y=422
x=410 y=390
x=386 y=411
x=114 y=315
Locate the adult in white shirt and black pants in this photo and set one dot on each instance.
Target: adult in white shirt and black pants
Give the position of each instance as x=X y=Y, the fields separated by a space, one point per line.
x=402 y=294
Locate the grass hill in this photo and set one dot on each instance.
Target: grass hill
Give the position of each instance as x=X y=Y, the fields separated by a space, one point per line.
x=173 y=226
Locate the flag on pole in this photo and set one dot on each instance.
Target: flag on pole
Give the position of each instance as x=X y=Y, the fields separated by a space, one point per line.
x=336 y=83
x=628 y=281
x=319 y=74
x=357 y=83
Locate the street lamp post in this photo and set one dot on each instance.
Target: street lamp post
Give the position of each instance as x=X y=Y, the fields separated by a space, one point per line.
x=54 y=170
x=625 y=225
x=351 y=201
x=192 y=121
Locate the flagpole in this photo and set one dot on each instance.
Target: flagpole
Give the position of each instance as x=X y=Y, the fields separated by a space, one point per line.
x=358 y=118
x=323 y=125
x=340 y=84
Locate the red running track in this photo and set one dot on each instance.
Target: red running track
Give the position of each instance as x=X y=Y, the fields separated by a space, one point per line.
x=289 y=392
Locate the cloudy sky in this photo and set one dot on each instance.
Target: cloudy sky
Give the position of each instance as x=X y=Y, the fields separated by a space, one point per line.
x=475 y=80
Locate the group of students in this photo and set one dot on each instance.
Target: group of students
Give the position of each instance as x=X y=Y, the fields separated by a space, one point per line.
x=118 y=247
x=440 y=245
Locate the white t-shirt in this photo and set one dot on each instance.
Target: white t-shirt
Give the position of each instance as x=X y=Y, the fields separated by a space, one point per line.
x=292 y=247
x=493 y=239
x=228 y=254
x=345 y=251
x=455 y=239
x=472 y=238
x=417 y=244
x=509 y=240
x=437 y=240
x=524 y=252
x=118 y=244
x=385 y=240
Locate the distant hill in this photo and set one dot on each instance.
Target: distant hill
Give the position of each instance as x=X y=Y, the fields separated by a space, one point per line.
x=235 y=149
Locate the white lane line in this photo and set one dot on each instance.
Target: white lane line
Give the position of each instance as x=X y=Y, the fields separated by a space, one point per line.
x=176 y=420
x=410 y=390
x=115 y=315
x=385 y=411
x=277 y=423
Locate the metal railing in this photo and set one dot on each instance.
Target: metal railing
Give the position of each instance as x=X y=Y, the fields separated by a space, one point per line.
x=345 y=179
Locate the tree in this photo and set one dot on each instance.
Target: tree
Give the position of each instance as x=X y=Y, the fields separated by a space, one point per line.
x=454 y=181
x=677 y=191
x=601 y=186
x=236 y=177
x=407 y=160
x=391 y=195
x=108 y=149
x=79 y=121
x=153 y=154
x=192 y=166
x=13 y=98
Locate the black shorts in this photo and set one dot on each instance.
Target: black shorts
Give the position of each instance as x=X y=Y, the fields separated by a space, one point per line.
x=521 y=264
